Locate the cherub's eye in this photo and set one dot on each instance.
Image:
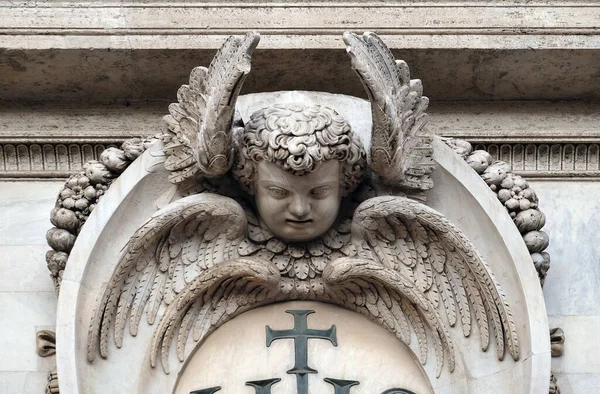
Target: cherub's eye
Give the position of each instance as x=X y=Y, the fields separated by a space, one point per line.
x=278 y=192
x=320 y=192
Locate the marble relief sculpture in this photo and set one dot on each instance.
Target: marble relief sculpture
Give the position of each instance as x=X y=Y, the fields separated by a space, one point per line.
x=290 y=206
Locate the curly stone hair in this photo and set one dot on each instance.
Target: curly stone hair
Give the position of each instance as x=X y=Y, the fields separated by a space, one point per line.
x=298 y=138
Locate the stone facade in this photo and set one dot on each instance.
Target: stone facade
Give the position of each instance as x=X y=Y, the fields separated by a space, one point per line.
x=515 y=79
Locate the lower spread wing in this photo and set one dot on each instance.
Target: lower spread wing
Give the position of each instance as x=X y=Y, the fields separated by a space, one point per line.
x=165 y=255
x=210 y=300
x=413 y=265
x=387 y=297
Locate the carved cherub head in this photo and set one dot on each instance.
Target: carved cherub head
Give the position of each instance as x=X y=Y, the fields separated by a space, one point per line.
x=298 y=161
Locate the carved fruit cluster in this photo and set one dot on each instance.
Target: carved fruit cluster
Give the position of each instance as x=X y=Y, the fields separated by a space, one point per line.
x=518 y=198
x=52 y=384
x=554 y=389
x=79 y=197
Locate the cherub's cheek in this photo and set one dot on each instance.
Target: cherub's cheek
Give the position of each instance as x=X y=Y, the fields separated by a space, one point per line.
x=277 y=207
x=330 y=206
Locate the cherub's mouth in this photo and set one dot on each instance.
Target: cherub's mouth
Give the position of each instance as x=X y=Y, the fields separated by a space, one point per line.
x=299 y=222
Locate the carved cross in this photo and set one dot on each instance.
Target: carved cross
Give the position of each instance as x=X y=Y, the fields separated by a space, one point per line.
x=301 y=334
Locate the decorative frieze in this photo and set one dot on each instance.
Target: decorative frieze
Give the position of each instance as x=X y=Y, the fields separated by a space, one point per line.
x=551 y=160
x=49 y=158
x=52 y=159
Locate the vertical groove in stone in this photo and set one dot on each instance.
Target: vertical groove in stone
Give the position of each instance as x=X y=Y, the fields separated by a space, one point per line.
x=2 y=161
x=74 y=157
x=568 y=157
x=37 y=159
x=87 y=153
x=99 y=150
x=11 y=157
x=543 y=157
x=518 y=157
x=493 y=151
x=23 y=159
x=62 y=158
x=505 y=153
x=49 y=158
x=530 y=157
x=581 y=157
x=555 y=157
x=593 y=159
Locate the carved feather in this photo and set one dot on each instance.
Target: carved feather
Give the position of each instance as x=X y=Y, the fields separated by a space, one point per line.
x=211 y=285
x=445 y=291
x=418 y=327
x=154 y=266
x=402 y=326
x=460 y=296
x=143 y=292
x=186 y=326
x=446 y=271
x=358 y=275
x=198 y=137
x=401 y=152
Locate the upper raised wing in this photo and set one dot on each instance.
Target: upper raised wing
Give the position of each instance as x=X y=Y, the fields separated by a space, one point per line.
x=413 y=265
x=166 y=254
x=198 y=141
x=401 y=152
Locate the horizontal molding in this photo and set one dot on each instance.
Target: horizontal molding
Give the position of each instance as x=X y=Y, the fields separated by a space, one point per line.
x=566 y=161
x=516 y=121
x=67 y=122
x=540 y=139
x=203 y=25
x=432 y=40
x=476 y=121
x=53 y=159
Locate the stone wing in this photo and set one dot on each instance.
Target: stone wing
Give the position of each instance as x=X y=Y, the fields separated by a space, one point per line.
x=401 y=152
x=413 y=266
x=165 y=255
x=198 y=138
x=214 y=297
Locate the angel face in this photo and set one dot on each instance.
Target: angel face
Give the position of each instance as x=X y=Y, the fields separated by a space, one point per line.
x=298 y=207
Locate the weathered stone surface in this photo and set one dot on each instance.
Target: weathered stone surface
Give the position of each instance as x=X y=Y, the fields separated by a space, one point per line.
x=102 y=76
x=310 y=24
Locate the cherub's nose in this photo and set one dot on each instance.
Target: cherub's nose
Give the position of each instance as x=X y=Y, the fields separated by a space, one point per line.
x=299 y=206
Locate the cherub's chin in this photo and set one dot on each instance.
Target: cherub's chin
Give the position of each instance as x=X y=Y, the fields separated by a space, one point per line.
x=298 y=232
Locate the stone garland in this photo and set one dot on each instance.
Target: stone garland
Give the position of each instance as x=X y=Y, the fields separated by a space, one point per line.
x=518 y=198
x=79 y=197
x=521 y=203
